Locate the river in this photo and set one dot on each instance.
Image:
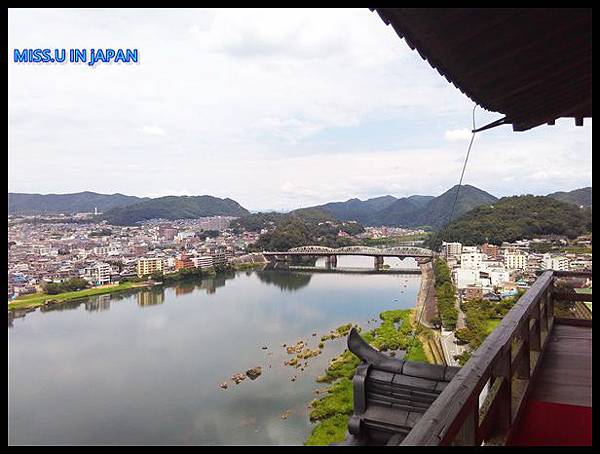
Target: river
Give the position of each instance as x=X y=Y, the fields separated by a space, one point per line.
x=143 y=367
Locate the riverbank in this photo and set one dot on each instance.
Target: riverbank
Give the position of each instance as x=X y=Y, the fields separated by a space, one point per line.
x=36 y=300
x=333 y=410
x=426 y=308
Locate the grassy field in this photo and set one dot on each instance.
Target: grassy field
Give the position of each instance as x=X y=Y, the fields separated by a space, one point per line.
x=38 y=299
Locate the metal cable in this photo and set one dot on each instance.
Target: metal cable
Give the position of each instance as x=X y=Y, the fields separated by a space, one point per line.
x=473 y=132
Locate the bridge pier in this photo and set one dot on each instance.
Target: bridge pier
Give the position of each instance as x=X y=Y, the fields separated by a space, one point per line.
x=378 y=262
x=331 y=261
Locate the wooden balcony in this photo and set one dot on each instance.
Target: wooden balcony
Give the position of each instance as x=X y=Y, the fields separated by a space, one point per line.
x=530 y=382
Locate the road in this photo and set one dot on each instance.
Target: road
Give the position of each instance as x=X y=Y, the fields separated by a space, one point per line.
x=460 y=321
x=450 y=348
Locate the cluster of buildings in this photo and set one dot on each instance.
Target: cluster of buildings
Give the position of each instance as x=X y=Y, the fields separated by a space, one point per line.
x=488 y=270
x=385 y=232
x=42 y=252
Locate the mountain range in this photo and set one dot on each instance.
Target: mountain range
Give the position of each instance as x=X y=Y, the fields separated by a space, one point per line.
x=119 y=209
x=419 y=210
x=81 y=202
x=412 y=211
x=174 y=207
x=580 y=197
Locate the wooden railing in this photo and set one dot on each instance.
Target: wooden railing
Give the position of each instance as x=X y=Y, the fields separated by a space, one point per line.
x=484 y=400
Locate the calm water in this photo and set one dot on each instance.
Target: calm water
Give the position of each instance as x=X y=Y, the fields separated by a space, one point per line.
x=144 y=367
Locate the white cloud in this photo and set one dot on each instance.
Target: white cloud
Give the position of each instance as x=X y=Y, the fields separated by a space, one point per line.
x=458 y=135
x=263 y=106
x=153 y=131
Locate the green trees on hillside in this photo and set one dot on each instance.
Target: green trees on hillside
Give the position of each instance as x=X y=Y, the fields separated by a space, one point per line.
x=174 y=207
x=255 y=222
x=515 y=218
x=294 y=230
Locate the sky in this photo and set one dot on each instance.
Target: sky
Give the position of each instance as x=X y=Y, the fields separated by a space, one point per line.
x=276 y=109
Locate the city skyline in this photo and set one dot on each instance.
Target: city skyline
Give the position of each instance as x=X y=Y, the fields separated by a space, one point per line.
x=274 y=109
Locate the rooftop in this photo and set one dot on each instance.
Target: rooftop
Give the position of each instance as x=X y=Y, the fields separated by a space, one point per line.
x=533 y=65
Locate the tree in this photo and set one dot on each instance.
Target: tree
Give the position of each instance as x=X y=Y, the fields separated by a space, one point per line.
x=156 y=276
x=70 y=285
x=463 y=335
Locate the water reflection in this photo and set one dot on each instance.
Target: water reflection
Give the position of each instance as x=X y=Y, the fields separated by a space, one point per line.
x=66 y=306
x=134 y=375
x=211 y=284
x=97 y=304
x=184 y=289
x=151 y=297
x=286 y=280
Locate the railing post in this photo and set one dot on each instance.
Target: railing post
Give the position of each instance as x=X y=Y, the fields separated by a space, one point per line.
x=468 y=433
x=550 y=305
x=503 y=371
x=523 y=366
x=535 y=339
x=544 y=312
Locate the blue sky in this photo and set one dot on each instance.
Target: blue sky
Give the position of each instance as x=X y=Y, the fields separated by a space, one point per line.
x=276 y=109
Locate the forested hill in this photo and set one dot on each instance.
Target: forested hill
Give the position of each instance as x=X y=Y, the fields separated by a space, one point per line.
x=80 y=202
x=362 y=211
x=295 y=230
x=579 y=197
x=174 y=207
x=412 y=211
x=515 y=218
x=436 y=211
x=255 y=222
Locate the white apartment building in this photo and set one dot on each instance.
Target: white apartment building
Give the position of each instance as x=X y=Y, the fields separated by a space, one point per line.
x=491 y=265
x=183 y=235
x=515 y=260
x=535 y=262
x=580 y=264
x=452 y=249
x=98 y=274
x=146 y=266
x=471 y=260
x=220 y=257
x=521 y=245
x=204 y=261
x=557 y=263
x=465 y=277
x=498 y=276
x=106 y=250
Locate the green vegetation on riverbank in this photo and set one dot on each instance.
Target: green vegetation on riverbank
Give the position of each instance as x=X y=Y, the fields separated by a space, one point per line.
x=249 y=266
x=332 y=410
x=444 y=294
x=70 y=285
x=330 y=430
x=38 y=299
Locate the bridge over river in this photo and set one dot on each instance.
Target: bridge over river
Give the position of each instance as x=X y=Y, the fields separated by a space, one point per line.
x=422 y=255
